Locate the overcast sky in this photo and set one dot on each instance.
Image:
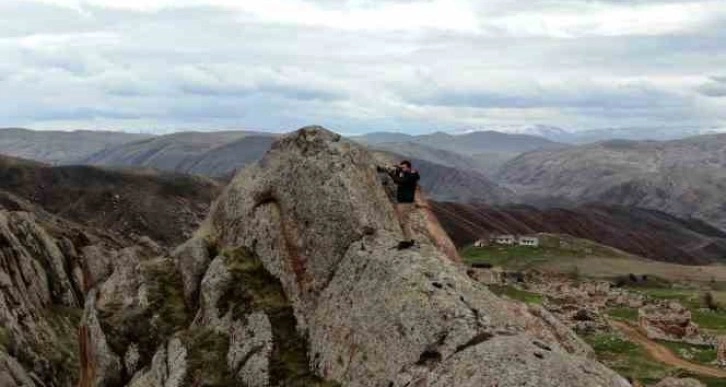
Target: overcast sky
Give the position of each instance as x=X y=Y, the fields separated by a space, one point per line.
x=359 y=66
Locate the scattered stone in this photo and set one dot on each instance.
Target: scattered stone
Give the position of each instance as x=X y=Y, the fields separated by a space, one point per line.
x=679 y=382
x=669 y=321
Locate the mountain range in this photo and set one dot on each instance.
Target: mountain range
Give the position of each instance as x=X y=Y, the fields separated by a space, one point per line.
x=60 y=147
x=681 y=177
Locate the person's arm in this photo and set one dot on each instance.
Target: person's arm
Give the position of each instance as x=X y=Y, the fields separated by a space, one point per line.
x=406 y=178
x=389 y=169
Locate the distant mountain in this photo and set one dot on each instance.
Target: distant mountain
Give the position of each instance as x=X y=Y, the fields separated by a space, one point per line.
x=163 y=206
x=56 y=147
x=552 y=133
x=647 y=233
x=417 y=151
x=467 y=144
x=686 y=178
x=215 y=154
x=484 y=152
x=634 y=133
x=383 y=137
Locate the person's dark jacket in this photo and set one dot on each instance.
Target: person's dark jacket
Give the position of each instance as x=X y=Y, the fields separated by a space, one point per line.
x=406 y=182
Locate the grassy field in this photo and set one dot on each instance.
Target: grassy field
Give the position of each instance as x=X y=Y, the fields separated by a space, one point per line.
x=628 y=359
x=712 y=321
x=633 y=362
x=514 y=257
x=695 y=353
x=517 y=294
x=595 y=262
x=623 y=313
x=666 y=281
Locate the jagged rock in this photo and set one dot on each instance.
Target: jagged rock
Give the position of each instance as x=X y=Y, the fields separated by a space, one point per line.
x=679 y=382
x=314 y=213
x=98 y=264
x=669 y=321
x=38 y=301
x=12 y=373
x=131 y=359
x=123 y=288
x=250 y=349
x=168 y=367
x=721 y=351
x=215 y=282
x=192 y=259
x=100 y=366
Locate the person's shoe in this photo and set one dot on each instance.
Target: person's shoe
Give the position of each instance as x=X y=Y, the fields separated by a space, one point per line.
x=402 y=245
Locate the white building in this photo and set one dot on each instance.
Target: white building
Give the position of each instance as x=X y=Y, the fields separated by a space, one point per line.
x=531 y=241
x=481 y=243
x=505 y=239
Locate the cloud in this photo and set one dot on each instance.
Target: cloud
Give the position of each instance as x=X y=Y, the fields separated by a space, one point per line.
x=715 y=87
x=361 y=65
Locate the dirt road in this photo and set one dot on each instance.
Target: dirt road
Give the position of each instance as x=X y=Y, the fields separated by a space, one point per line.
x=664 y=354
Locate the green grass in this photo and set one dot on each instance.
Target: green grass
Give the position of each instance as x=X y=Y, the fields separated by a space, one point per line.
x=701 y=354
x=4 y=338
x=148 y=326
x=627 y=358
x=516 y=294
x=252 y=289
x=62 y=351
x=707 y=380
x=713 y=321
x=623 y=313
x=513 y=257
x=207 y=358
x=693 y=300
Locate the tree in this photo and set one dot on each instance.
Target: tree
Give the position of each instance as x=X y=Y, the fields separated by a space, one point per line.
x=710 y=302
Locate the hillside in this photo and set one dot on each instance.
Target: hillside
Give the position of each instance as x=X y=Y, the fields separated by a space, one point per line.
x=684 y=177
x=163 y=206
x=56 y=147
x=213 y=154
x=647 y=233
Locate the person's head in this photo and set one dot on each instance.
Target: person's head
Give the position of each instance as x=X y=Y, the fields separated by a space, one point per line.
x=405 y=165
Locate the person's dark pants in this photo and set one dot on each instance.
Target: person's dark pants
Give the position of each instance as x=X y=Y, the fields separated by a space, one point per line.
x=405 y=211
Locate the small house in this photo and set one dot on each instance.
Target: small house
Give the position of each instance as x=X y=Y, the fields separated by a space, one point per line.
x=531 y=241
x=505 y=239
x=481 y=243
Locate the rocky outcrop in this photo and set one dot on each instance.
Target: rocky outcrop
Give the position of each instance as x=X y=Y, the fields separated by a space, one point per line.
x=669 y=321
x=679 y=382
x=40 y=301
x=721 y=351
x=314 y=214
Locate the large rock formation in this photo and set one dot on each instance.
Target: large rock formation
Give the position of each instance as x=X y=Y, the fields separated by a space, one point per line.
x=293 y=280
x=315 y=215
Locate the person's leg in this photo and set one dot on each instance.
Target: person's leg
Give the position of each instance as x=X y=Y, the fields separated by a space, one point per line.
x=404 y=216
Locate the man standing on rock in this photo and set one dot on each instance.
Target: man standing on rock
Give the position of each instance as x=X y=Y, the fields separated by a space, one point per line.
x=406 y=178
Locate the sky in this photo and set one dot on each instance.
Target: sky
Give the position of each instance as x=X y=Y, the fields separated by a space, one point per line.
x=361 y=66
